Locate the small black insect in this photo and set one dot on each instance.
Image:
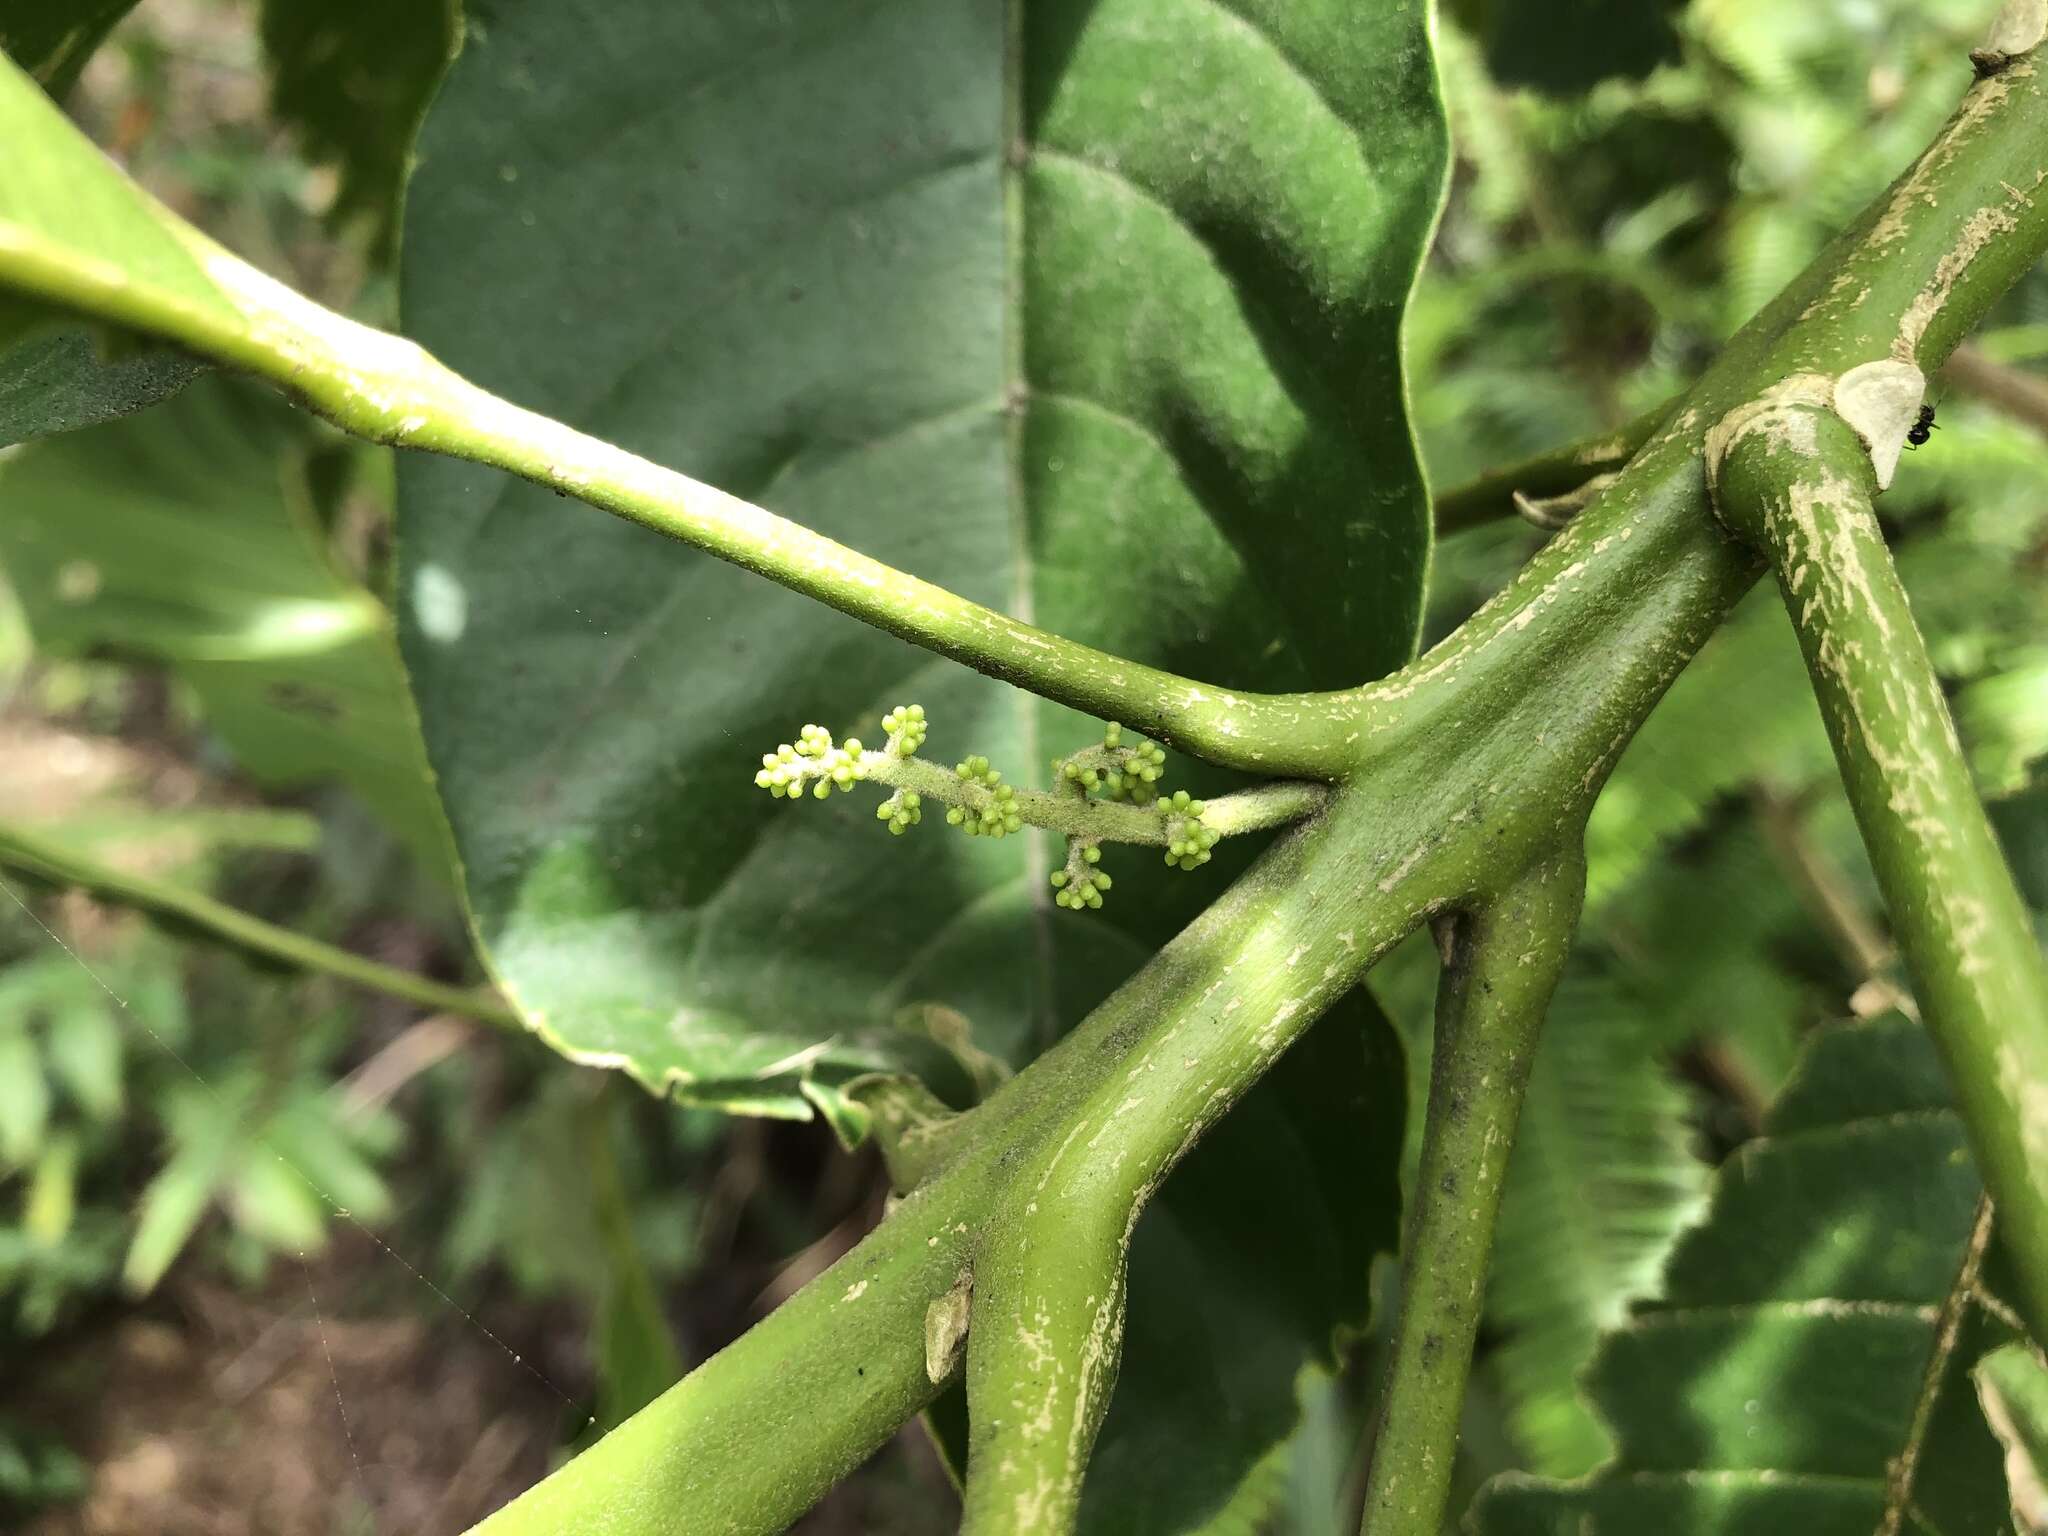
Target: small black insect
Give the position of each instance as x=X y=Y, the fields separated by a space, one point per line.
x=1922 y=429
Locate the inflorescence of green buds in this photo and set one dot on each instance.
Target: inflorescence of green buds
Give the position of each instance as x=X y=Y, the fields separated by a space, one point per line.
x=1120 y=772
x=812 y=759
x=997 y=815
x=901 y=810
x=1079 y=884
x=980 y=804
x=1187 y=841
x=906 y=727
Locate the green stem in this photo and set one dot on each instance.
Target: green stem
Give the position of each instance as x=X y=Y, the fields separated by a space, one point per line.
x=219 y=923
x=1505 y=959
x=1798 y=480
x=1052 y=1289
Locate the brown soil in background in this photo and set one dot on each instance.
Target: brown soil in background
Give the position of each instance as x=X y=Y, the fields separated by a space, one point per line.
x=220 y=1417
x=214 y=1412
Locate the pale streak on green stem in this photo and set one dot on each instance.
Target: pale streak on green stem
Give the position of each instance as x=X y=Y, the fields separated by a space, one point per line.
x=1504 y=964
x=1257 y=809
x=1041 y=1372
x=51 y=862
x=1798 y=481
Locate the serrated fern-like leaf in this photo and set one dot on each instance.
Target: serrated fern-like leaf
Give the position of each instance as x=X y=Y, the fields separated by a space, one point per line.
x=1600 y=1185
x=1744 y=982
x=1807 y=1368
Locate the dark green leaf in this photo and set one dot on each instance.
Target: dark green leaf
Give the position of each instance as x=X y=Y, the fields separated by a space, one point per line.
x=1745 y=984
x=1127 y=364
x=1203 y=273
x=1686 y=757
x=56 y=381
x=1798 y=1350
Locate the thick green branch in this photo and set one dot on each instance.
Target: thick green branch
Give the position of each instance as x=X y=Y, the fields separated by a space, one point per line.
x=1503 y=964
x=219 y=923
x=749 y=1440
x=1798 y=480
x=752 y=1437
x=1050 y=1291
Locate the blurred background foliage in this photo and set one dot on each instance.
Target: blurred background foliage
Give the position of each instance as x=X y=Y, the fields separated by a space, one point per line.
x=197 y=682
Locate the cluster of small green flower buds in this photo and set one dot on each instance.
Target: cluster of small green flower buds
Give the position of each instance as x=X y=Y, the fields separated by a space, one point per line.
x=985 y=806
x=1121 y=772
x=1089 y=778
x=812 y=759
x=901 y=810
x=1187 y=841
x=1080 y=884
x=1137 y=769
x=998 y=817
x=906 y=727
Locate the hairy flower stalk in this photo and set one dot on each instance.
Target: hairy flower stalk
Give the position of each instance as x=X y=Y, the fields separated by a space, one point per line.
x=1109 y=794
